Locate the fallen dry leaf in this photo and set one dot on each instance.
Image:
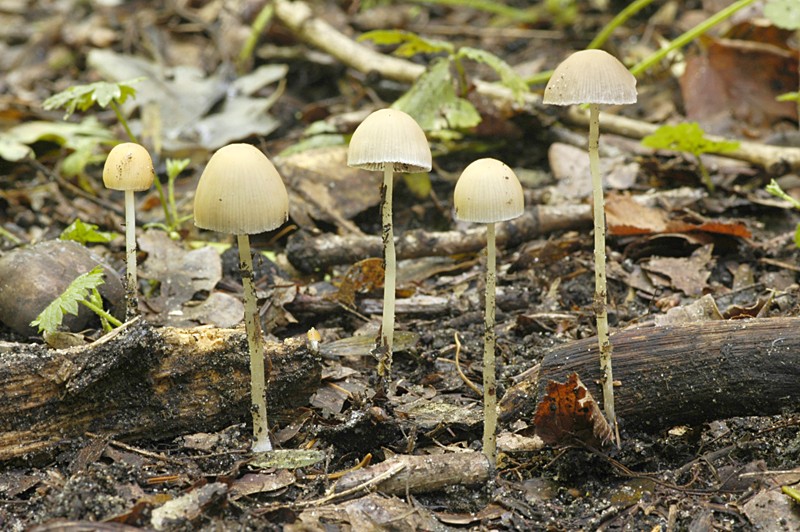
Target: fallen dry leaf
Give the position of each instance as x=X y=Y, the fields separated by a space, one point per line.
x=568 y=412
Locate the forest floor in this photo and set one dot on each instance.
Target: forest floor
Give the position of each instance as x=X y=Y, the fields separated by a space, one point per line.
x=679 y=253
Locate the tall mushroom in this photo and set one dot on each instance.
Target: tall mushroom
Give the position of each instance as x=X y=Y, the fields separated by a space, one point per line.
x=487 y=192
x=595 y=77
x=129 y=167
x=240 y=192
x=389 y=140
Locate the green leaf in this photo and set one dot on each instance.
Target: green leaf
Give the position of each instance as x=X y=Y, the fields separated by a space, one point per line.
x=433 y=103
x=411 y=44
x=783 y=13
x=176 y=166
x=82 y=97
x=51 y=317
x=419 y=184
x=789 y=97
x=797 y=236
x=688 y=137
x=85 y=233
x=15 y=142
x=775 y=189
x=508 y=76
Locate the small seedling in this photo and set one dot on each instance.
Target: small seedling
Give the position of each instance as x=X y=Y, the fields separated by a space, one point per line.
x=775 y=189
x=689 y=137
x=83 y=290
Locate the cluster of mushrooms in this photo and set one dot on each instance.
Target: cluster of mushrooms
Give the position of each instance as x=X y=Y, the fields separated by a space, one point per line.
x=240 y=192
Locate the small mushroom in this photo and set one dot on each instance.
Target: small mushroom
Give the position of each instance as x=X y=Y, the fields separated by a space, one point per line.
x=240 y=192
x=595 y=77
x=487 y=192
x=389 y=140
x=129 y=167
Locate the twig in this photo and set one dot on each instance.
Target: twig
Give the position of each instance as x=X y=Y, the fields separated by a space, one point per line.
x=464 y=378
x=776 y=160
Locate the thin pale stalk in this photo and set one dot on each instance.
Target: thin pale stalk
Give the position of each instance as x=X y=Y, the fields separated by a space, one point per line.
x=131 y=292
x=390 y=274
x=258 y=384
x=489 y=386
x=600 y=291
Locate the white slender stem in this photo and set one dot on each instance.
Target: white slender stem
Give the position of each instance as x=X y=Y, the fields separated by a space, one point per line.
x=131 y=285
x=600 y=293
x=258 y=383
x=489 y=386
x=390 y=276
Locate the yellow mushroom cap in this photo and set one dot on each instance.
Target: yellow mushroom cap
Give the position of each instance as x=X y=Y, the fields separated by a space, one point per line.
x=240 y=192
x=128 y=167
x=389 y=136
x=590 y=76
x=488 y=191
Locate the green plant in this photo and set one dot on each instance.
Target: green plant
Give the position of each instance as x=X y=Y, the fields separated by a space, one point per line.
x=648 y=62
x=434 y=101
x=85 y=233
x=775 y=189
x=786 y=14
x=83 y=290
x=689 y=137
x=172 y=218
x=103 y=94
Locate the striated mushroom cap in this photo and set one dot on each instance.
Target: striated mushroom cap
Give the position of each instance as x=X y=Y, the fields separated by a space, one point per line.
x=389 y=136
x=590 y=76
x=488 y=191
x=240 y=192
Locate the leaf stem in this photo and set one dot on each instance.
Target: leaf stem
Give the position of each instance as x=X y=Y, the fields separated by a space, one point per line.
x=100 y=312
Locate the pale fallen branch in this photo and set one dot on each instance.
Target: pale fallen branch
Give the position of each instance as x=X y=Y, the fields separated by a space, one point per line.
x=776 y=160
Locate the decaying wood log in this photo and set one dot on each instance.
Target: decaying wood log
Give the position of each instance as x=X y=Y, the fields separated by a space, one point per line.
x=683 y=374
x=307 y=253
x=140 y=383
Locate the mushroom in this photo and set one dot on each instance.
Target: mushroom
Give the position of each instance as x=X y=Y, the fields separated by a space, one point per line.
x=487 y=192
x=240 y=192
x=388 y=140
x=595 y=77
x=129 y=167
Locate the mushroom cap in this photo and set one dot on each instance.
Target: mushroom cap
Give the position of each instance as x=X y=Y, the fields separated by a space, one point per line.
x=590 y=76
x=389 y=136
x=128 y=167
x=488 y=191
x=240 y=192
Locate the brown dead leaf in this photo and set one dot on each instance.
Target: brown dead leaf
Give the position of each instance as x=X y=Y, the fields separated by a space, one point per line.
x=569 y=412
x=732 y=85
x=363 y=276
x=625 y=216
x=687 y=274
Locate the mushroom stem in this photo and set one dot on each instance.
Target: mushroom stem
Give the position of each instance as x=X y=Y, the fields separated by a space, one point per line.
x=131 y=291
x=386 y=340
x=600 y=292
x=258 y=385
x=489 y=386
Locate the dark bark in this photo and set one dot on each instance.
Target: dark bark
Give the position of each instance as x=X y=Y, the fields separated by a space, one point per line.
x=140 y=383
x=685 y=374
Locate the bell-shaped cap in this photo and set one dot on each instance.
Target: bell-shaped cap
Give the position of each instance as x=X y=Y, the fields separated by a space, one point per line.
x=240 y=192
x=389 y=136
x=488 y=191
x=590 y=76
x=128 y=167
